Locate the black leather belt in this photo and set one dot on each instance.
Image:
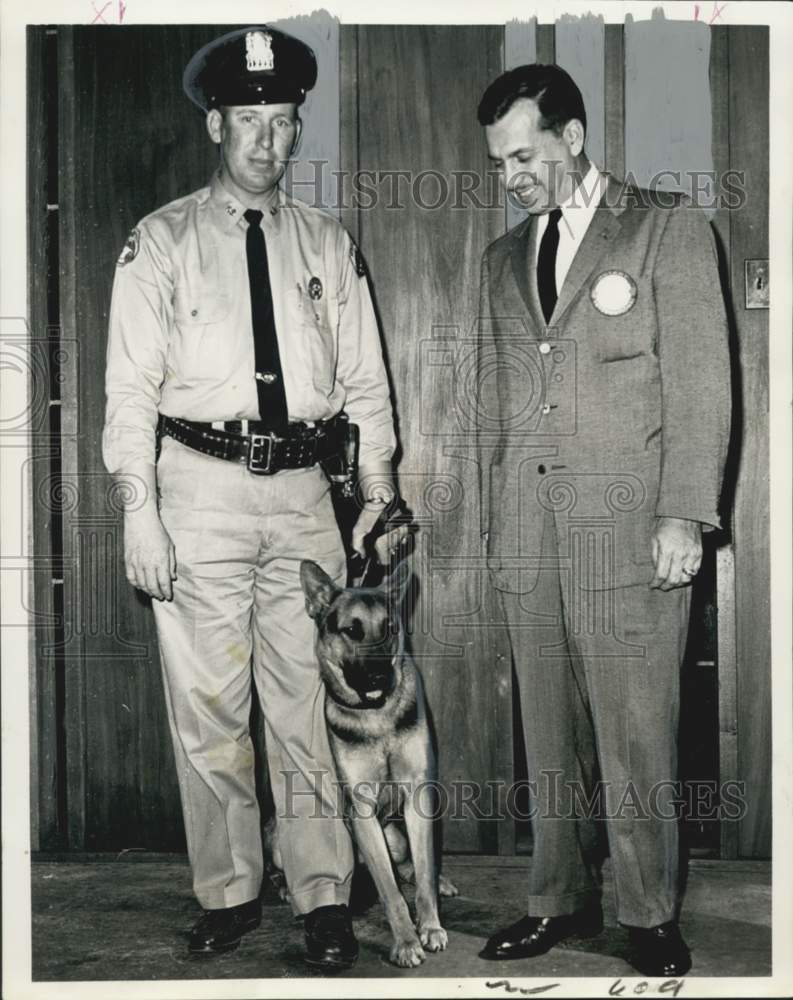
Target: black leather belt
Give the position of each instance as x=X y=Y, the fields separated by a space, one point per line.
x=262 y=451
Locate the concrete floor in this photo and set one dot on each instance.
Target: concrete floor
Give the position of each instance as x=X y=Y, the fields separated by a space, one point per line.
x=124 y=920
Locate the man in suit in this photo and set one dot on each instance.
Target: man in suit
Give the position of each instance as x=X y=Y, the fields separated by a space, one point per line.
x=603 y=421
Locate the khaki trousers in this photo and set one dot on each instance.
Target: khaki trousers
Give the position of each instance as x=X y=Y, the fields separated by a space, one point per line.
x=598 y=676
x=238 y=614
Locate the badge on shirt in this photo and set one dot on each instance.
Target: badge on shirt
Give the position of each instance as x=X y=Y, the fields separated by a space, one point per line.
x=315 y=289
x=613 y=293
x=131 y=247
x=357 y=260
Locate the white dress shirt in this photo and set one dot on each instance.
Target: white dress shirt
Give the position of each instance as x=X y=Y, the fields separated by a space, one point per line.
x=577 y=213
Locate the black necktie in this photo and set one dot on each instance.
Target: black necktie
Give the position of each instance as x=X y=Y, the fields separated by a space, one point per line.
x=269 y=377
x=546 y=264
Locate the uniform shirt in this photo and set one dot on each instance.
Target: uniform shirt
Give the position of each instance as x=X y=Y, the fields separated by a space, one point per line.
x=181 y=335
x=577 y=213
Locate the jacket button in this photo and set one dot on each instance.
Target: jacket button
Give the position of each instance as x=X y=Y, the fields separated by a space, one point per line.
x=545 y=348
x=546 y=408
x=541 y=469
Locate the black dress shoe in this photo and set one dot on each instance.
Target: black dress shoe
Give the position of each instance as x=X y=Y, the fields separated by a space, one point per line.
x=659 y=951
x=532 y=936
x=330 y=942
x=221 y=930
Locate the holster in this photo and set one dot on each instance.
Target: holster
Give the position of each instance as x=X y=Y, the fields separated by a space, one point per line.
x=341 y=468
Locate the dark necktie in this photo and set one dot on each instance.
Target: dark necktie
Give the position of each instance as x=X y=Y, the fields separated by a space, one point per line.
x=546 y=264
x=269 y=376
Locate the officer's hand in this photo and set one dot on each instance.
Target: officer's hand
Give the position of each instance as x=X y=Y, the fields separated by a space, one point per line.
x=149 y=555
x=676 y=551
x=367 y=519
x=388 y=543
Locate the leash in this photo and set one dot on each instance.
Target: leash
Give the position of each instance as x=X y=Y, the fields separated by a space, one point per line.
x=358 y=577
x=364 y=569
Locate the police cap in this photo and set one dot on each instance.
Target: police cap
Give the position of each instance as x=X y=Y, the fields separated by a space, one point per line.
x=257 y=65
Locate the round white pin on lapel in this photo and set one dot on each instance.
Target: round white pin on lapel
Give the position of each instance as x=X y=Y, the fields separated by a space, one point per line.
x=613 y=293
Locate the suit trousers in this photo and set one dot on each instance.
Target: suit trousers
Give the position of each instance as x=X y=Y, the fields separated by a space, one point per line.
x=598 y=676
x=238 y=614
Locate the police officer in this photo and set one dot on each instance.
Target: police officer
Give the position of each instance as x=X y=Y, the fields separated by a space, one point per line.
x=242 y=324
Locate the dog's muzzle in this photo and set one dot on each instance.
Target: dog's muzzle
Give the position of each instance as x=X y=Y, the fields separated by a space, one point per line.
x=371 y=686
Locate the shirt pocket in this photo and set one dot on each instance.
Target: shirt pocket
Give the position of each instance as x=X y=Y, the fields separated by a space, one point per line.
x=202 y=301
x=202 y=294
x=312 y=330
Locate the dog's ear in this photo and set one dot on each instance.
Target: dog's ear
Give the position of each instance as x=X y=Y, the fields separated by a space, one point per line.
x=398 y=582
x=318 y=587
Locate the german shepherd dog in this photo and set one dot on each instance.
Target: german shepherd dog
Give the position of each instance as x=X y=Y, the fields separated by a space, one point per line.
x=380 y=737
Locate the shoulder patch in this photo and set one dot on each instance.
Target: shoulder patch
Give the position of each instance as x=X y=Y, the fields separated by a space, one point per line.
x=131 y=247
x=357 y=259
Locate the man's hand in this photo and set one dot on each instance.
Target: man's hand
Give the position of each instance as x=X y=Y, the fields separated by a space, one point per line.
x=149 y=555
x=676 y=551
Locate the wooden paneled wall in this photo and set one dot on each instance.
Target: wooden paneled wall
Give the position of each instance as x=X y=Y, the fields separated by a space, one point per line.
x=417 y=113
x=128 y=143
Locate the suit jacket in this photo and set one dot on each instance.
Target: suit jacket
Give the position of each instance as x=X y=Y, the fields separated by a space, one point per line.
x=616 y=411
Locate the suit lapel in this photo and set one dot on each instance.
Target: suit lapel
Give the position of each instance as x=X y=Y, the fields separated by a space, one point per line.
x=604 y=226
x=523 y=270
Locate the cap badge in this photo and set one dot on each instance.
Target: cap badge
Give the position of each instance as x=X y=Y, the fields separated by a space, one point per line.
x=613 y=293
x=259 y=51
x=315 y=289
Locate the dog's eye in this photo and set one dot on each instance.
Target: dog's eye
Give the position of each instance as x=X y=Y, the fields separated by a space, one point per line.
x=353 y=631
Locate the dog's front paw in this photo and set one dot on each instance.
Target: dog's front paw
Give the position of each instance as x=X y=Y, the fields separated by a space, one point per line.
x=433 y=938
x=407 y=953
x=446 y=887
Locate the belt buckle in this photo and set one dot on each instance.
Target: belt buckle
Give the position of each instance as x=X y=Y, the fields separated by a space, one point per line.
x=254 y=461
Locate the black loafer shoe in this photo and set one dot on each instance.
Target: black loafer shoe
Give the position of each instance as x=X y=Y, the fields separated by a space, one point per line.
x=221 y=930
x=532 y=936
x=330 y=942
x=659 y=951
